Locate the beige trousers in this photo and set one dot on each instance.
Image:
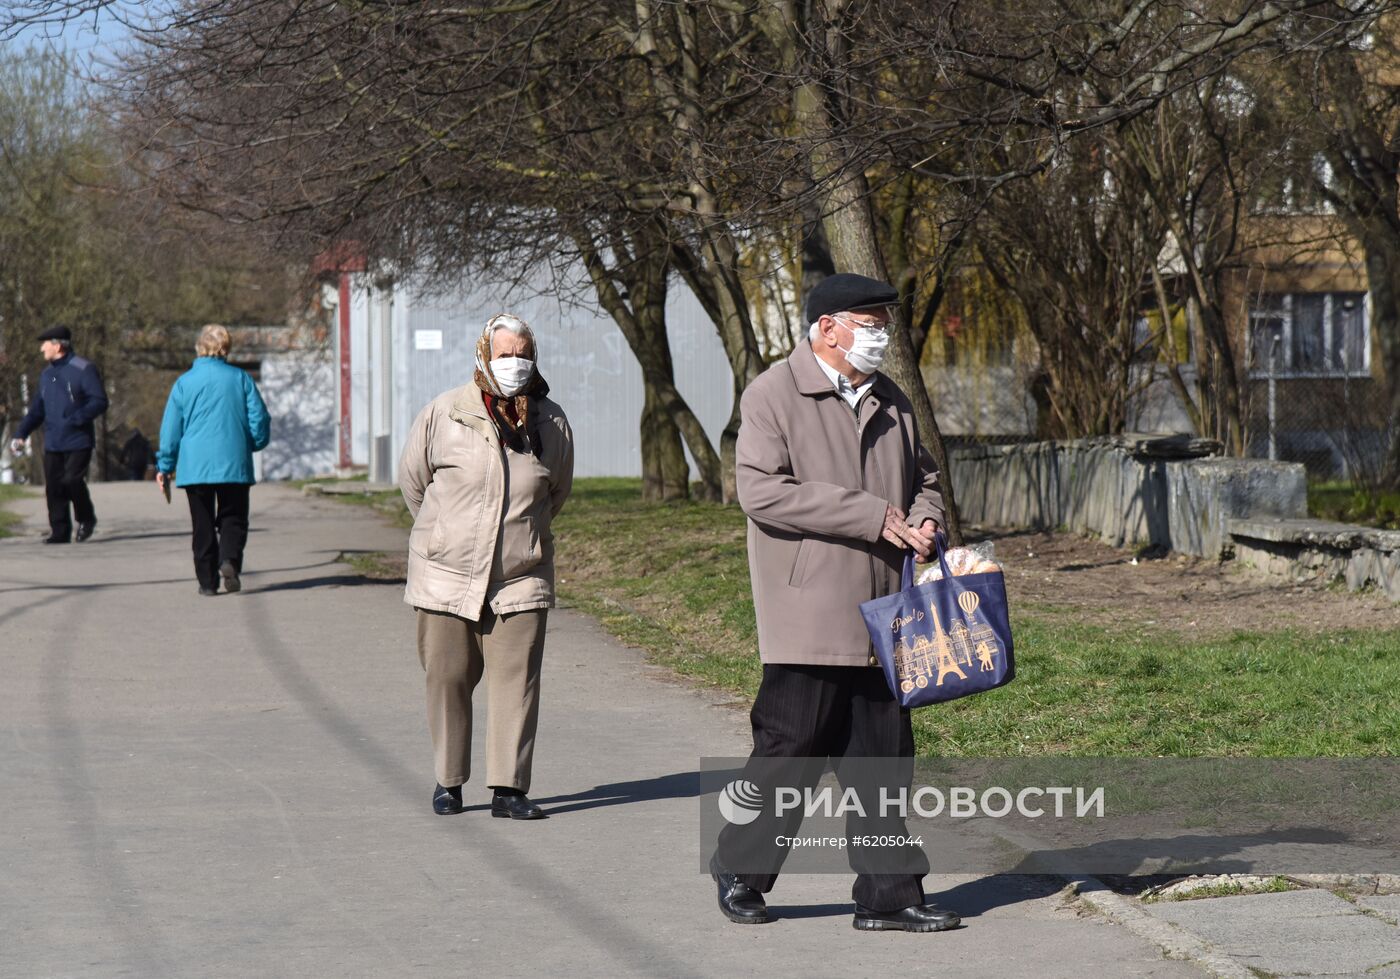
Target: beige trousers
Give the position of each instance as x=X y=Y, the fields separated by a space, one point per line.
x=456 y=653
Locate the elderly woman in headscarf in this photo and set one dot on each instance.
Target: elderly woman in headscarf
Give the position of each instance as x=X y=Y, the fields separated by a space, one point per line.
x=486 y=468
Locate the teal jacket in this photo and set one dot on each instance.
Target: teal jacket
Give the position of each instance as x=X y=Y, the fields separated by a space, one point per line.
x=214 y=421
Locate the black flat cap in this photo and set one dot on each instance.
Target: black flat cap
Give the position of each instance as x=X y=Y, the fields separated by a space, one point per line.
x=57 y=333
x=848 y=291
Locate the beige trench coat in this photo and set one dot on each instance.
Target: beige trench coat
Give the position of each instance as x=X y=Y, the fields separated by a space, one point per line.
x=814 y=479
x=481 y=514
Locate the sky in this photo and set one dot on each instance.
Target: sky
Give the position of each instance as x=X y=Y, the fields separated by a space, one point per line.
x=89 y=39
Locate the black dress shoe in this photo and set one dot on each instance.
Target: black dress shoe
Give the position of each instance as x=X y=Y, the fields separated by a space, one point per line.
x=447 y=802
x=230 y=575
x=738 y=901
x=515 y=807
x=919 y=917
x=85 y=530
x=55 y=539
x=208 y=592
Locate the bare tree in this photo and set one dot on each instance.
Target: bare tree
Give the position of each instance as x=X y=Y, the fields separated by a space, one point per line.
x=441 y=138
x=1075 y=244
x=83 y=248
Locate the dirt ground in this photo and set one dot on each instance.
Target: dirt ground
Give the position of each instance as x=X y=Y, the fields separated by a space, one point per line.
x=1178 y=593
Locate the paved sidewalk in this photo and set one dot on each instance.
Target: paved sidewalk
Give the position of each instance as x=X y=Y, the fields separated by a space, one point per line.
x=240 y=786
x=1295 y=933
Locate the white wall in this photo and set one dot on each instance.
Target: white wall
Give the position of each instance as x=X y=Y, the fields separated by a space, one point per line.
x=299 y=389
x=591 y=372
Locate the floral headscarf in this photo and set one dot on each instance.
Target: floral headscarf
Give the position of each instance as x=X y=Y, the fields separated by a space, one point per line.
x=517 y=424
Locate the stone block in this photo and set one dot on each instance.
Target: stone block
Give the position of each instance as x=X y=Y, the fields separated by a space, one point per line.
x=1106 y=491
x=1203 y=495
x=1007 y=485
x=1312 y=533
x=1373 y=566
x=1114 y=487
x=1362 y=556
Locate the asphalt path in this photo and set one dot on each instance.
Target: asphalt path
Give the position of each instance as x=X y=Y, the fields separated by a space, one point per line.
x=240 y=786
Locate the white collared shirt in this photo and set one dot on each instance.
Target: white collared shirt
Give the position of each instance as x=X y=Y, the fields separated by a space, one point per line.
x=849 y=392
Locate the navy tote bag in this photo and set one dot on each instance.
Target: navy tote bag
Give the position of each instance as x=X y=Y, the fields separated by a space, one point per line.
x=944 y=639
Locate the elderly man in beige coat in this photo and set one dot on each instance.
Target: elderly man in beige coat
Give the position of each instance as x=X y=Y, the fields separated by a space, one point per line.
x=486 y=468
x=837 y=488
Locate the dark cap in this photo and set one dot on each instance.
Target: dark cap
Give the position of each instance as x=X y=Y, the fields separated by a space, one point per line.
x=57 y=333
x=848 y=291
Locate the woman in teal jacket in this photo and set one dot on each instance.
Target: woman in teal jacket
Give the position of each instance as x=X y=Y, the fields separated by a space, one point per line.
x=214 y=421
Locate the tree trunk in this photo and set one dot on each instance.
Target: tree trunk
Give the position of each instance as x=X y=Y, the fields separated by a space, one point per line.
x=713 y=272
x=714 y=278
x=740 y=344
x=642 y=319
x=816 y=254
x=1383 y=276
x=847 y=217
x=1228 y=405
x=665 y=469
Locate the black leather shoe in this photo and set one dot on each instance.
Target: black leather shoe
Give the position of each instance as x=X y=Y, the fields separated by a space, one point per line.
x=230 y=575
x=515 y=807
x=738 y=901
x=447 y=802
x=55 y=539
x=208 y=592
x=85 y=530
x=920 y=917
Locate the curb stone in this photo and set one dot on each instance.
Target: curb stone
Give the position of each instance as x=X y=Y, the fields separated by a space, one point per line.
x=1175 y=942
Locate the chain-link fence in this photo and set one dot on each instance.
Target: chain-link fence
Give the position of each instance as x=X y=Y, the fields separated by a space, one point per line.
x=1313 y=394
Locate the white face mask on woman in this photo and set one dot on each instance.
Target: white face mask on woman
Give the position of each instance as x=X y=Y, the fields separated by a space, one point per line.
x=867 y=350
x=512 y=374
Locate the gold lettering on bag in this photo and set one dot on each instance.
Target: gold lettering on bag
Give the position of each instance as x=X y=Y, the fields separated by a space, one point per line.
x=915 y=616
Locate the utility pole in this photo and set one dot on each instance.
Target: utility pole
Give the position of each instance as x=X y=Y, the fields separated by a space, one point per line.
x=1273 y=393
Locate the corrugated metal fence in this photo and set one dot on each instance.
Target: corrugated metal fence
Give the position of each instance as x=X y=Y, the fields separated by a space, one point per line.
x=591 y=372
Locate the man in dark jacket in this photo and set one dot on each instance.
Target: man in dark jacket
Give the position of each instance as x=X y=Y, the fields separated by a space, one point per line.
x=70 y=396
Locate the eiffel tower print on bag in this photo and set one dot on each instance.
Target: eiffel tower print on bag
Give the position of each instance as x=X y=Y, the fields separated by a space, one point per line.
x=944 y=639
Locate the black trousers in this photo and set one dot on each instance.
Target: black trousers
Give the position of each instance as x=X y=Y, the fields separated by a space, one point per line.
x=219 y=513
x=64 y=486
x=836 y=712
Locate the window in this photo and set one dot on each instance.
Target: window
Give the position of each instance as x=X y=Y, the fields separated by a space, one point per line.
x=1294 y=186
x=1315 y=334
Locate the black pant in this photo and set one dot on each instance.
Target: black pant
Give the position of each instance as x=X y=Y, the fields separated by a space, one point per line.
x=219 y=513
x=64 y=474
x=819 y=712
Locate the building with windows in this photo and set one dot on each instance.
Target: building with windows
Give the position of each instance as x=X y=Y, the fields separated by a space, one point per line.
x=1297 y=312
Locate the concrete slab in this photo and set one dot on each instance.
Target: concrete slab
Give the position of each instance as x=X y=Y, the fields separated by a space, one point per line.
x=239 y=786
x=1308 y=932
x=1385 y=905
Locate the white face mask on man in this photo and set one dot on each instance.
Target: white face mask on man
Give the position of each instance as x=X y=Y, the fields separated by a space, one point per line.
x=512 y=374
x=867 y=350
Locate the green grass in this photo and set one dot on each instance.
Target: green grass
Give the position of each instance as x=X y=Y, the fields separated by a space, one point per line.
x=1349 y=503
x=8 y=520
x=1274 y=885
x=673 y=579
x=388 y=502
x=312 y=480
x=375 y=565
